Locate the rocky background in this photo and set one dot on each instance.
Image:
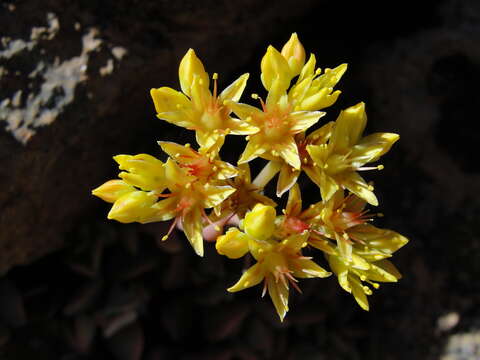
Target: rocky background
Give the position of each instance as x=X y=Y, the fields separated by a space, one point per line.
x=74 y=81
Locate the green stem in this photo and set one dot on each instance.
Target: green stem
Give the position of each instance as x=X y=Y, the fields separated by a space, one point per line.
x=267 y=174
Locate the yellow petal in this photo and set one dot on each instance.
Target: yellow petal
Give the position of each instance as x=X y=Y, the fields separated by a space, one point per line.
x=319 y=100
x=132 y=207
x=289 y=152
x=371 y=147
x=355 y=183
x=251 y=277
x=244 y=111
x=165 y=209
x=308 y=69
x=294 y=243
x=305 y=268
x=178 y=152
x=193 y=227
x=191 y=66
x=341 y=270
x=294 y=202
x=294 y=53
x=245 y=174
x=359 y=263
x=321 y=243
x=321 y=135
x=384 y=240
x=209 y=141
x=214 y=195
x=359 y=295
x=252 y=151
x=234 y=244
x=182 y=118
x=225 y=170
x=330 y=77
x=200 y=94
x=166 y=99
x=144 y=171
x=275 y=66
x=278 y=292
x=302 y=120
x=344 y=247
x=112 y=190
x=348 y=129
x=260 y=222
x=328 y=186
x=277 y=94
x=383 y=271
x=298 y=91
x=240 y=127
x=175 y=175
x=235 y=90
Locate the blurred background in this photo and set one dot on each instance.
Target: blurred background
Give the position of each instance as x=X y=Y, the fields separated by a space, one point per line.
x=74 y=91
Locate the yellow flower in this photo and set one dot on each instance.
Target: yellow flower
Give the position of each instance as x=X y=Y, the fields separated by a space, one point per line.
x=186 y=201
x=314 y=90
x=294 y=53
x=286 y=115
x=345 y=220
x=352 y=275
x=202 y=165
x=279 y=261
x=130 y=204
x=278 y=125
x=197 y=108
x=336 y=163
x=288 y=175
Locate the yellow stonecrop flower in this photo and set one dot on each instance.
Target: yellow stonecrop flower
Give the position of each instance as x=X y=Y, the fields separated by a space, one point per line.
x=345 y=220
x=353 y=274
x=188 y=193
x=286 y=115
x=279 y=261
x=197 y=108
x=195 y=180
x=336 y=164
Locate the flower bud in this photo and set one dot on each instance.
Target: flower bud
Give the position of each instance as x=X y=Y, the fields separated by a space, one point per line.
x=132 y=207
x=191 y=67
x=294 y=53
x=112 y=190
x=275 y=66
x=234 y=244
x=260 y=222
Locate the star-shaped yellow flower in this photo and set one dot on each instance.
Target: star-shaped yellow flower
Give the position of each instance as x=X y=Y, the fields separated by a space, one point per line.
x=197 y=108
x=353 y=275
x=279 y=261
x=336 y=163
x=140 y=196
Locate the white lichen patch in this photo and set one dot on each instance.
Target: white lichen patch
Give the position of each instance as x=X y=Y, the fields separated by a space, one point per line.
x=13 y=47
x=107 y=69
x=119 y=52
x=25 y=110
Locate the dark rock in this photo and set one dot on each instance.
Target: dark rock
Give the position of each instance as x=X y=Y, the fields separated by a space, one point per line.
x=75 y=80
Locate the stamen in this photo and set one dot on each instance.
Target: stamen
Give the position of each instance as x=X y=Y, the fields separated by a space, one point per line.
x=215 y=77
x=256 y=97
x=204 y=215
x=170 y=229
x=367 y=168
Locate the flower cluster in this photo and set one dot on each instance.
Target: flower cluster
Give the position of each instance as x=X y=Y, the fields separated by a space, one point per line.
x=210 y=199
